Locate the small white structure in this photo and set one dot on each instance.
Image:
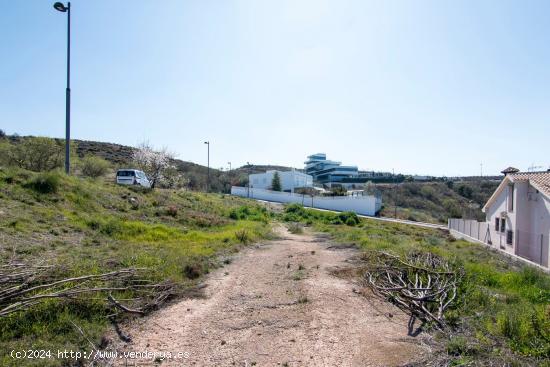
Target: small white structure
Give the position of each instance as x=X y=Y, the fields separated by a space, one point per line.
x=518 y=215
x=290 y=180
x=362 y=204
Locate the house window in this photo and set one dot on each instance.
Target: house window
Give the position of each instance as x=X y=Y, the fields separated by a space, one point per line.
x=497 y=224
x=502 y=225
x=509 y=237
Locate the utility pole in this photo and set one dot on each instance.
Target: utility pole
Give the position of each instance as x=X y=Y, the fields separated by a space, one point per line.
x=248 y=178
x=481 y=169
x=208 y=164
x=67 y=9
x=229 y=166
x=394 y=194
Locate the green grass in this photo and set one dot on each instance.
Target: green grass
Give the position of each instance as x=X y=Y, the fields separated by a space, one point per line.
x=503 y=312
x=87 y=226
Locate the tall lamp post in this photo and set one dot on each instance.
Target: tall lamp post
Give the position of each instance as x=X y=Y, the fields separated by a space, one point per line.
x=208 y=163
x=394 y=194
x=248 y=188
x=67 y=9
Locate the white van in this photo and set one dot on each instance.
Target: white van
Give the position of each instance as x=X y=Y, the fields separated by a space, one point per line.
x=132 y=177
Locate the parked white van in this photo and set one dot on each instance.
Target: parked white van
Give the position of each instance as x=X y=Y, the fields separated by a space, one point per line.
x=132 y=177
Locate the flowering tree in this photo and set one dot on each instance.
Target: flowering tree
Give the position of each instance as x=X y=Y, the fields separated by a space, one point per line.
x=154 y=163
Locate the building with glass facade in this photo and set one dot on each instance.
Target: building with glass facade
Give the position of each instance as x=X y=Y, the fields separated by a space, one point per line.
x=329 y=173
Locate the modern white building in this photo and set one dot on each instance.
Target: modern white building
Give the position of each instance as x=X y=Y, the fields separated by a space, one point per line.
x=331 y=173
x=290 y=180
x=518 y=215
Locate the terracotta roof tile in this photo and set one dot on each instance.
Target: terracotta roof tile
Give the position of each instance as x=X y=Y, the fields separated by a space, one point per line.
x=540 y=180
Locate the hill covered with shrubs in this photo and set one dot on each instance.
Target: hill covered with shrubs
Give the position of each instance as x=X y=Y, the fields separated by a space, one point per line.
x=435 y=202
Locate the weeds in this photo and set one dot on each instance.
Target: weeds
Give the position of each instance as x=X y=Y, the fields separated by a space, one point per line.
x=44 y=183
x=295 y=228
x=242 y=236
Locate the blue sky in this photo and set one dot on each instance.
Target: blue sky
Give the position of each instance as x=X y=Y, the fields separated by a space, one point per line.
x=427 y=87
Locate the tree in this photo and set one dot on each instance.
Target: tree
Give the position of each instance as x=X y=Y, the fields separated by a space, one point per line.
x=370 y=189
x=174 y=179
x=37 y=154
x=153 y=163
x=465 y=191
x=338 y=191
x=276 y=182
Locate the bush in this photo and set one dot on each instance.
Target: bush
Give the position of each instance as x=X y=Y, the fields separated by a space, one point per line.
x=255 y=213
x=295 y=228
x=37 y=154
x=465 y=191
x=348 y=218
x=45 y=183
x=5 y=149
x=452 y=209
x=172 y=211
x=192 y=271
x=242 y=236
x=94 y=166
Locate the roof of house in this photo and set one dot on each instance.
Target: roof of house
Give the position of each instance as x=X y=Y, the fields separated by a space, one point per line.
x=539 y=180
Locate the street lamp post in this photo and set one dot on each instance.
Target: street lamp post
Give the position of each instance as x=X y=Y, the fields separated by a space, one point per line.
x=67 y=9
x=208 y=163
x=394 y=194
x=248 y=188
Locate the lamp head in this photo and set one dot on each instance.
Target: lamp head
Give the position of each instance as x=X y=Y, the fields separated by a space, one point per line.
x=60 y=7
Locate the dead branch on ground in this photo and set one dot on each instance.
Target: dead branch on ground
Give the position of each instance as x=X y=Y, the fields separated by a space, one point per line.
x=421 y=283
x=23 y=286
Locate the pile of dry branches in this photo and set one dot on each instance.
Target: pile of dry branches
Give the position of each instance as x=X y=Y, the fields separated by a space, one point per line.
x=423 y=284
x=23 y=285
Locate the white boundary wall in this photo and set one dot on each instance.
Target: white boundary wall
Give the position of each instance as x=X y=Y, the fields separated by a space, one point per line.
x=364 y=205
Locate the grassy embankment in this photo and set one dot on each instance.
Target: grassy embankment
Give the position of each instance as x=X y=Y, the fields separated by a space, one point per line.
x=502 y=316
x=84 y=226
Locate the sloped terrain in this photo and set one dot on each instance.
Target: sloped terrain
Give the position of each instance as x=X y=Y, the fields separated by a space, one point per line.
x=78 y=227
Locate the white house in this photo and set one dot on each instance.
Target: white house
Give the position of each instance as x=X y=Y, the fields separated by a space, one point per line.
x=518 y=214
x=290 y=180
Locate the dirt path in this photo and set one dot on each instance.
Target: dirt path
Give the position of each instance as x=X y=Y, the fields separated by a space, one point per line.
x=277 y=305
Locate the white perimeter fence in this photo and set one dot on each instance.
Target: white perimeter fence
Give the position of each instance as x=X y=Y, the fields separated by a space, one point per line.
x=524 y=245
x=362 y=204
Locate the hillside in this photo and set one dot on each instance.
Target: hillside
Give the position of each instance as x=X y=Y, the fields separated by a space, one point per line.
x=221 y=181
x=58 y=227
x=121 y=157
x=420 y=201
x=80 y=258
x=436 y=201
